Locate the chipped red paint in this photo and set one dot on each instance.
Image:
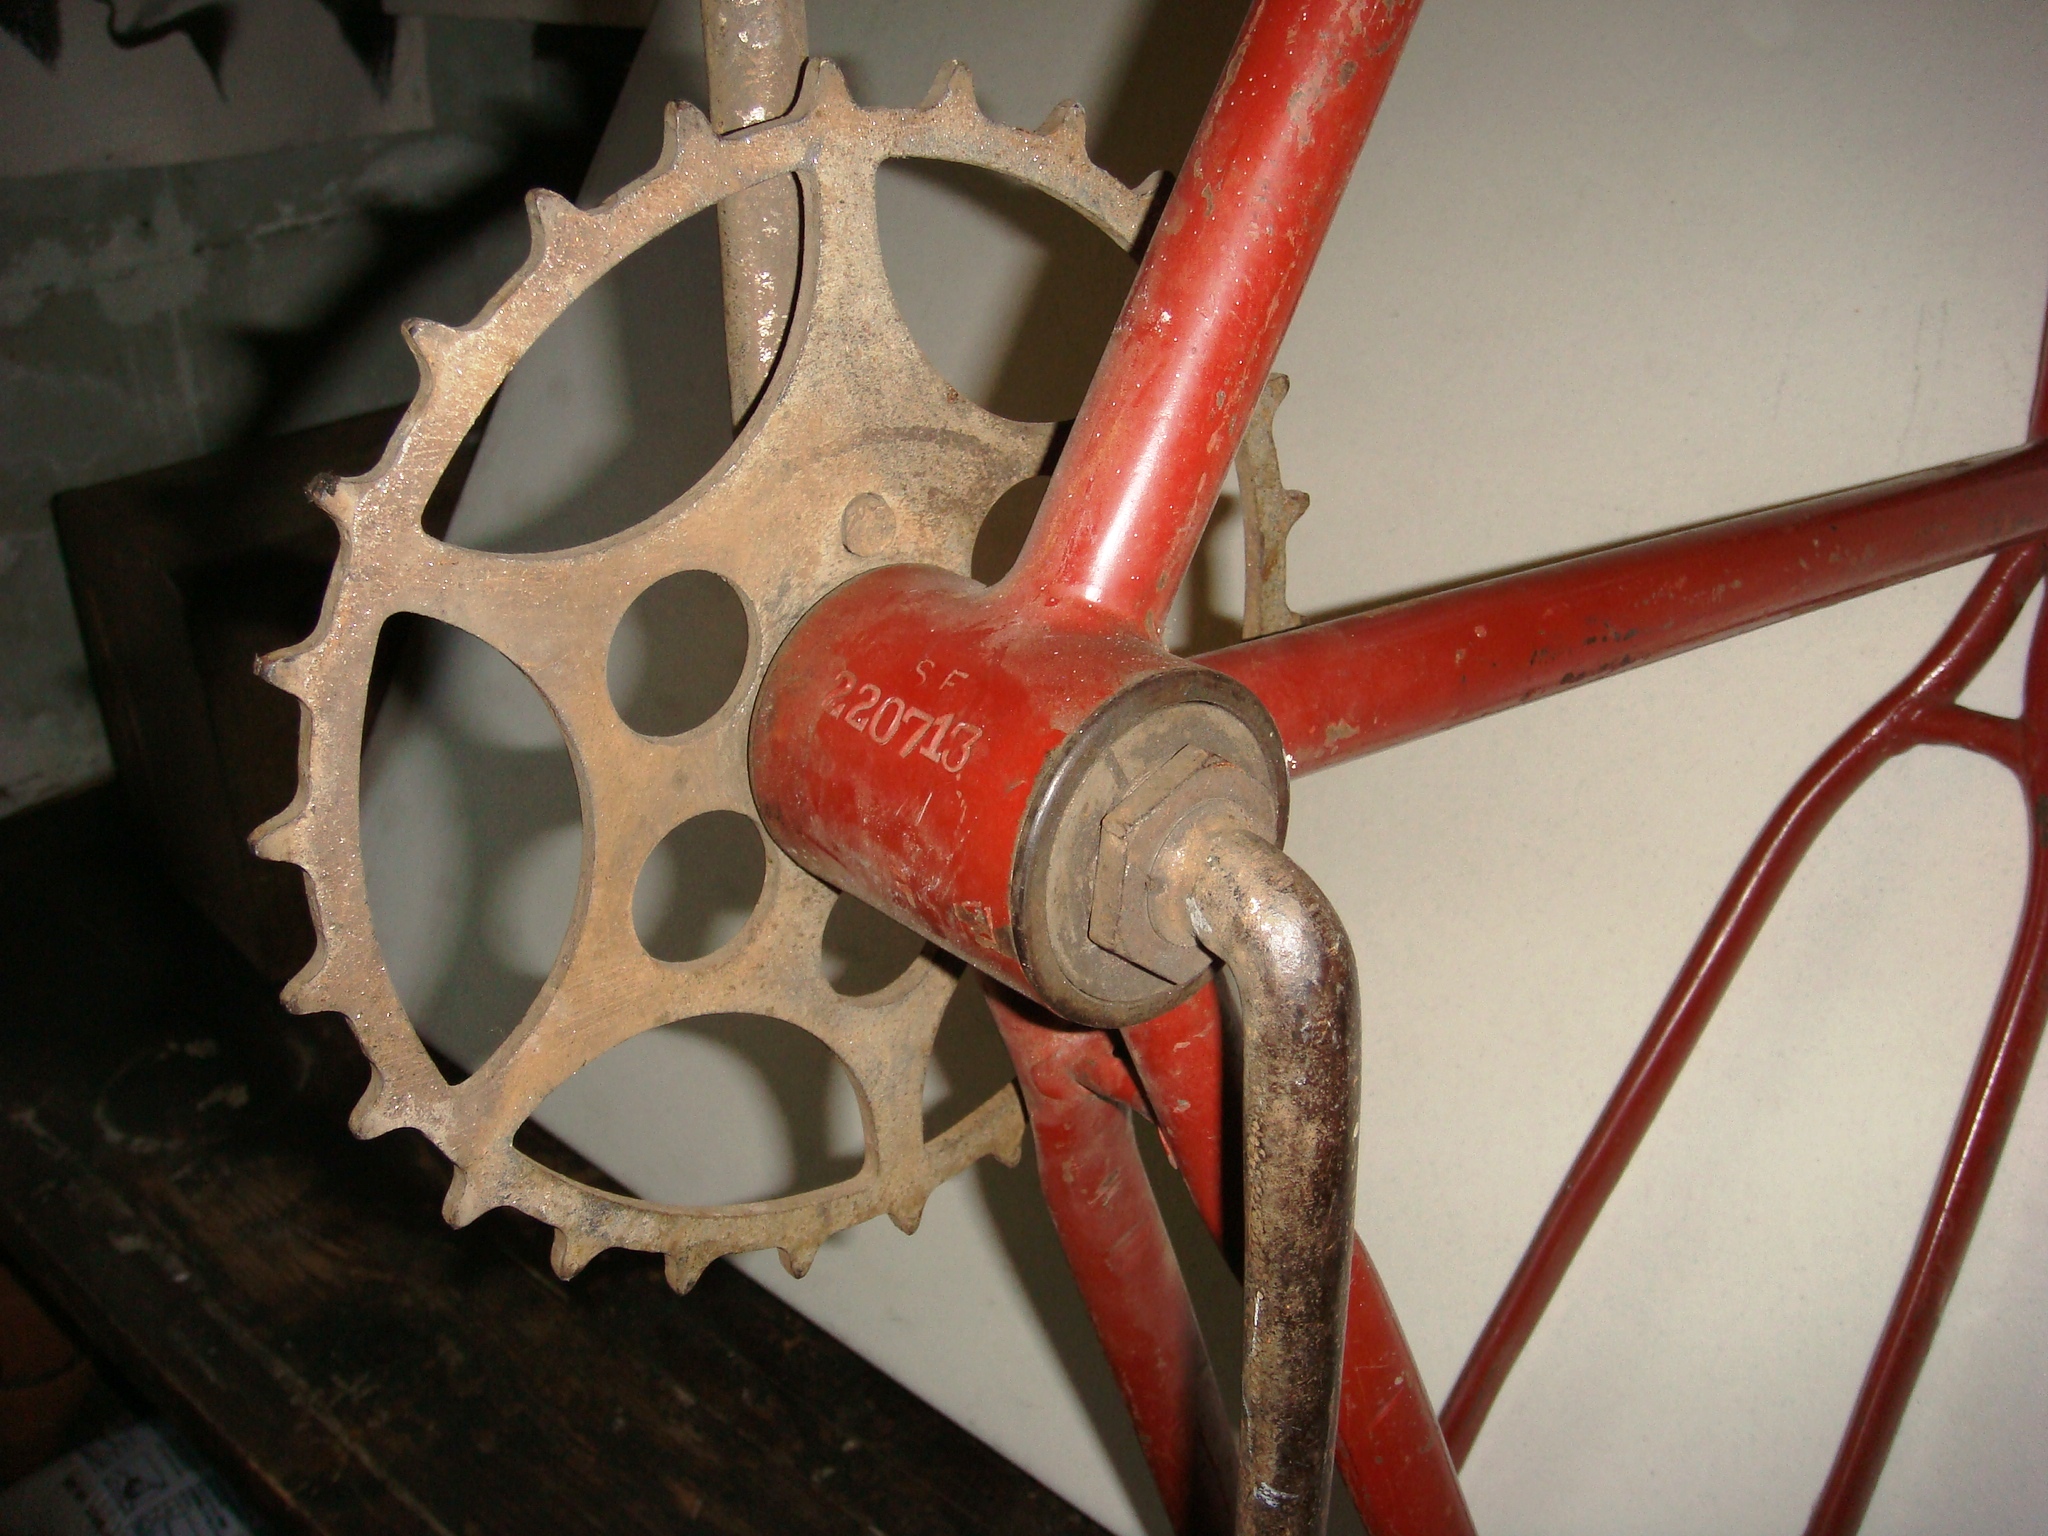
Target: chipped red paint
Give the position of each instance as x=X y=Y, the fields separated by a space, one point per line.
x=931 y=832
x=1921 y=710
x=1079 y=617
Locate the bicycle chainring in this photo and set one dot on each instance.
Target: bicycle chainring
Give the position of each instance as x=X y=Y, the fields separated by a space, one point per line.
x=853 y=411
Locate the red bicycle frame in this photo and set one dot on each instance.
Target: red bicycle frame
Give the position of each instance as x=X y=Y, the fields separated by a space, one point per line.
x=1121 y=519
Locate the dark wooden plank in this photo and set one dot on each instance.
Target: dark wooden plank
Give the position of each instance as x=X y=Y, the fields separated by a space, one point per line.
x=181 y=577
x=175 y=1172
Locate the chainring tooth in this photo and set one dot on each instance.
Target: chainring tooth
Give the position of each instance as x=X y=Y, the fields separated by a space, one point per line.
x=853 y=408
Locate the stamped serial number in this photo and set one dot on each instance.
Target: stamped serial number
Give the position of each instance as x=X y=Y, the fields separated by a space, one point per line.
x=888 y=720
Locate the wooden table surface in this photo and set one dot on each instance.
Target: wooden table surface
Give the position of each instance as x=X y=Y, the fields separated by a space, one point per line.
x=176 y=1176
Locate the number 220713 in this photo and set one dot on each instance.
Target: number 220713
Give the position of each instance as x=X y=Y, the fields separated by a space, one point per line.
x=887 y=720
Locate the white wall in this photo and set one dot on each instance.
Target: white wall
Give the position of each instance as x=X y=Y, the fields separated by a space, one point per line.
x=1606 y=267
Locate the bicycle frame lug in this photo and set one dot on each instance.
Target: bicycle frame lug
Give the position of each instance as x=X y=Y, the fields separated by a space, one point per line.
x=1133 y=913
x=949 y=755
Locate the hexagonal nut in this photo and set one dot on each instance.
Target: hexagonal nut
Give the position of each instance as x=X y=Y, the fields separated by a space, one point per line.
x=1127 y=917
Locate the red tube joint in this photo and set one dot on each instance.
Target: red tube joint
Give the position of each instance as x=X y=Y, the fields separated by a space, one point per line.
x=945 y=753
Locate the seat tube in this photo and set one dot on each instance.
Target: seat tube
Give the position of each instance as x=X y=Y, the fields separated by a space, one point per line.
x=1213 y=297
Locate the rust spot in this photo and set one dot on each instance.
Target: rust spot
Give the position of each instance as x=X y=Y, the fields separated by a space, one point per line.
x=973 y=917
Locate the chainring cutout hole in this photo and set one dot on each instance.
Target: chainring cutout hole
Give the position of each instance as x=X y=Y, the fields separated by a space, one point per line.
x=619 y=408
x=471 y=835
x=678 y=653
x=775 y=1111
x=699 y=886
x=1010 y=294
x=1004 y=528
x=862 y=951
x=968 y=1062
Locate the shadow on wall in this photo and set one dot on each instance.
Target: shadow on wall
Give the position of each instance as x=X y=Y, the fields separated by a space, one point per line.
x=472 y=828
x=410 y=234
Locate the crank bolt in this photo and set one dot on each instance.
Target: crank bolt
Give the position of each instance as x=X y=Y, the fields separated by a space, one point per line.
x=1133 y=912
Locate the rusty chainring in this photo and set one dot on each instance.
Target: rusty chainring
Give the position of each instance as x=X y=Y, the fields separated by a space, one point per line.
x=852 y=413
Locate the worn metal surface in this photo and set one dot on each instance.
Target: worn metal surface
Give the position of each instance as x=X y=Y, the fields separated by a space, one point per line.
x=1059 y=874
x=852 y=410
x=1270 y=513
x=176 y=1179
x=1130 y=914
x=754 y=54
x=1297 y=985
x=1389 y=1448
